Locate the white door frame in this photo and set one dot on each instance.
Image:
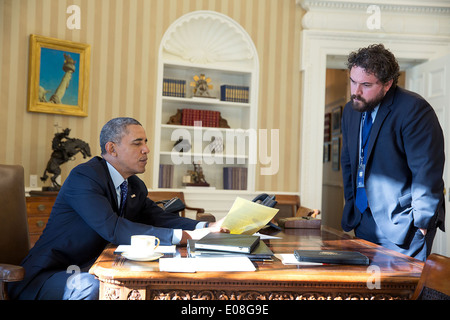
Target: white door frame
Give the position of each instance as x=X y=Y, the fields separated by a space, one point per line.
x=432 y=81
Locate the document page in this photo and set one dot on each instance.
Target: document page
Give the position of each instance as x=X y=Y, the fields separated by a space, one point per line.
x=247 y=217
x=160 y=249
x=206 y=264
x=287 y=259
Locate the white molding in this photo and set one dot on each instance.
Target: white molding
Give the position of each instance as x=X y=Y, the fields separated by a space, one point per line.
x=208 y=37
x=400 y=17
x=416 y=6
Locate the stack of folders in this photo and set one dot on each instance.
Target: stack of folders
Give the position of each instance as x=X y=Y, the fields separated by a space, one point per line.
x=229 y=245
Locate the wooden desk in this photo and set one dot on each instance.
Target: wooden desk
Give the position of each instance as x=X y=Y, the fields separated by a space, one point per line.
x=396 y=274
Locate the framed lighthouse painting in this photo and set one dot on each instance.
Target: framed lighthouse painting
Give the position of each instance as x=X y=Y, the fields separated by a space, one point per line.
x=58 y=76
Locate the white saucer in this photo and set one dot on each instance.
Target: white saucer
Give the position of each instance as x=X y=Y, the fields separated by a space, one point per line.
x=151 y=257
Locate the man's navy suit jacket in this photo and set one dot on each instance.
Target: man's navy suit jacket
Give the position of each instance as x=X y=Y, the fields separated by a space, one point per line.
x=85 y=218
x=403 y=177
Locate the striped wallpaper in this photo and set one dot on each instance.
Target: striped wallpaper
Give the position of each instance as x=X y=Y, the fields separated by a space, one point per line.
x=124 y=36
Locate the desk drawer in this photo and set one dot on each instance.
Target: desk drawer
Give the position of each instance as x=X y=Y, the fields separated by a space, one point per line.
x=39 y=208
x=36 y=224
x=38 y=211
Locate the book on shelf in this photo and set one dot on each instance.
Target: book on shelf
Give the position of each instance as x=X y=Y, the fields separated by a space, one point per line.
x=208 y=118
x=235 y=178
x=165 y=176
x=234 y=93
x=174 y=88
x=239 y=243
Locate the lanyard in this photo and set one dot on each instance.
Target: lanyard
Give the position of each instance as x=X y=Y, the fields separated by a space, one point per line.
x=362 y=143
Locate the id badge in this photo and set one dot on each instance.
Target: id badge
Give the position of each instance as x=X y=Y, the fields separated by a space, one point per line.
x=360 y=177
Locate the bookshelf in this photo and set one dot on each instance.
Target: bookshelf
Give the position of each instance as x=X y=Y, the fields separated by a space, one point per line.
x=213 y=47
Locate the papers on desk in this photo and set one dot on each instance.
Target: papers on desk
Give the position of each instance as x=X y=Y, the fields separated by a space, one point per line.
x=260 y=253
x=265 y=236
x=240 y=243
x=206 y=264
x=290 y=259
x=247 y=217
x=160 y=249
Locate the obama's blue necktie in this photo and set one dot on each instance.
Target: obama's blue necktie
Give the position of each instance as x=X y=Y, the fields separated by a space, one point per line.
x=123 y=196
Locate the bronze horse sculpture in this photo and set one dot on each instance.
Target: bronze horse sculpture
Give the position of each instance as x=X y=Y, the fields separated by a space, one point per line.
x=63 y=151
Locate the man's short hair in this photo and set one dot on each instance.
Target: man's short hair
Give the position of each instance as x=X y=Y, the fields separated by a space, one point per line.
x=376 y=60
x=114 y=130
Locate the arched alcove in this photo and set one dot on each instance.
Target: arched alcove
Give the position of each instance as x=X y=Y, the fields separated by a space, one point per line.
x=214 y=45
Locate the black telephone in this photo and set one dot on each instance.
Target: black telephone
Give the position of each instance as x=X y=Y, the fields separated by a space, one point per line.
x=268 y=201
x=174 y=205
x=265 y=200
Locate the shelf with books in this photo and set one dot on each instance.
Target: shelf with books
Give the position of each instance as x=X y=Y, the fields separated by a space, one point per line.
x=232 y=93
x=235 y=178
x=208 y=158
x=234 y=118
x=219 y=76
x=174 y=88
x=214 y=145
x=217 y=170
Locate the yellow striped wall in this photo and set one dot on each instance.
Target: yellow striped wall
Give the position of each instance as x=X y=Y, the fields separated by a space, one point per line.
x=124 y=36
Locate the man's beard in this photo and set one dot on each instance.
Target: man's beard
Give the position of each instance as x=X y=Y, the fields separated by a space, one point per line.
x=362 y=105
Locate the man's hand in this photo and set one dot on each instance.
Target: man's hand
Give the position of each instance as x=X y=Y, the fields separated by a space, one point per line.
x=424 y=231
x=217 y=226
x=200 y=233
x=194 y=234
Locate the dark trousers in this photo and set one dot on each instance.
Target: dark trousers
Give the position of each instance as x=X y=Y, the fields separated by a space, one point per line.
x=63 y=285
x=417 y=245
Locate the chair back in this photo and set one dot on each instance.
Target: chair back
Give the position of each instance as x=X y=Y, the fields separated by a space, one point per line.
x=287 y=204
x=14 y=239
x=166 y=195
x=434 y=283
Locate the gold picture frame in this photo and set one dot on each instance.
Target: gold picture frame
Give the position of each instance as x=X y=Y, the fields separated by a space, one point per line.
x=58 y=76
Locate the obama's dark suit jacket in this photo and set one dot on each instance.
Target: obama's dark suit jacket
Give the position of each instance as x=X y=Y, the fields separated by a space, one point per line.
x=85 y=218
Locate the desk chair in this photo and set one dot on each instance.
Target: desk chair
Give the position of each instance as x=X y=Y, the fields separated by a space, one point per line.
x=434 y=283
x=14 y=241
x=293 y=202
x=167 y=195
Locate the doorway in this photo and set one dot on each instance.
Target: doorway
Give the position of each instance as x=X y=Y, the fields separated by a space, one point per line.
x=336 y=96
x=331 y=30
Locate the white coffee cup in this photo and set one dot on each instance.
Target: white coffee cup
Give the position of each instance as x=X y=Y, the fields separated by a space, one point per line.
x=143 y=245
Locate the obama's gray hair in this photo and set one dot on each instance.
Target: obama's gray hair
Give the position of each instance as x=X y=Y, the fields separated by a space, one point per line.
x=114 y=130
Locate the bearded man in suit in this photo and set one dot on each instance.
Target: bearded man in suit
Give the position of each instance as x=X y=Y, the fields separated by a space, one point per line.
x=90 y=212
x=392 y=158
